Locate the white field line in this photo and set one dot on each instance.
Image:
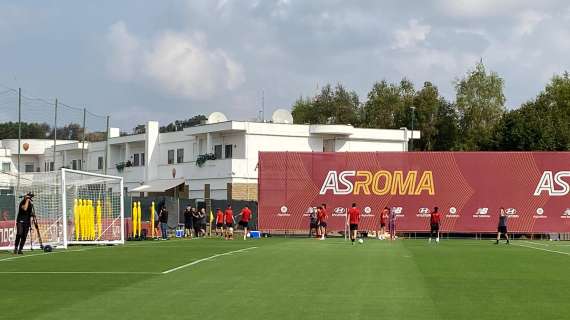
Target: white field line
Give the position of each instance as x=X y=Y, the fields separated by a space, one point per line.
x=77 y=272
x=542 y=249
x=206 y=259
x=42 y=254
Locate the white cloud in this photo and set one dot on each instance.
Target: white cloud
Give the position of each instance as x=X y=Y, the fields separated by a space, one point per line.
x=125 y=48
x=528 y=21
x=178 y=63
x=410 y=36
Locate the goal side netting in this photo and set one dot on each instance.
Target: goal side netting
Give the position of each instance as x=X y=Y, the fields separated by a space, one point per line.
x=71 y=207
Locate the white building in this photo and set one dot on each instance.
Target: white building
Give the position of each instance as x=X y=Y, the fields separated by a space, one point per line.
x=156 y=162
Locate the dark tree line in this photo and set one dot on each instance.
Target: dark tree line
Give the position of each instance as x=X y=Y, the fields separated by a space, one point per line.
x=177 y=125
x=476 y=120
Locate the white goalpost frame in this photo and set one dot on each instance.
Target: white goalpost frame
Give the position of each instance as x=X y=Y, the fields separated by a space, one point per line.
x=121 y=206
x=64 y=208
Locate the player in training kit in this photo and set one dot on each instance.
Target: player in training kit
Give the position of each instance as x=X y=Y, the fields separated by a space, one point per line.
x=353 y=220
x=23 y=222
x=230 y=221
x=219 y=222
x=502 y=228
x=313 y=225
x=392 y=224
x=322 y=217
x=435 y=218
x=383 y=219
x=244 y=221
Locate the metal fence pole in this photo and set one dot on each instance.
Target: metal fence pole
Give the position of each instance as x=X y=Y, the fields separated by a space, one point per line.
x=19 y=132
x=107 y=148
x=83 y=140
x=54 y=137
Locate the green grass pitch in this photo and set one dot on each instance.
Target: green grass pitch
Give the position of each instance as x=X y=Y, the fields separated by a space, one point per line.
x=296 y=279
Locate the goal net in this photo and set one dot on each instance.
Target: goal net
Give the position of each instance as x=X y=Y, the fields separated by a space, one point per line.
x=71 y=207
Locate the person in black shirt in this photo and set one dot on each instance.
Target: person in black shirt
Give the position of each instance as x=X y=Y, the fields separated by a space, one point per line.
x=502 y=228
x=203 y=221
x=25 y=213
x=163 y=218
x=188 y=221
x=196 y=222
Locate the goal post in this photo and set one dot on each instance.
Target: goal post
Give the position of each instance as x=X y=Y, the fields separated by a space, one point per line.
x=71 y=207
x=93 y=207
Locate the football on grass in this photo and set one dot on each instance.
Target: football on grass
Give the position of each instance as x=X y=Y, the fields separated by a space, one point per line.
x=360 y=241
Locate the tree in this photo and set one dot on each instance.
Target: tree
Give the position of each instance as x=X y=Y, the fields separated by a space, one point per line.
x=331 y=106
x=540 y=124
x=446 y=127
x=480 y=101
x=388 y=105
x=427 y=103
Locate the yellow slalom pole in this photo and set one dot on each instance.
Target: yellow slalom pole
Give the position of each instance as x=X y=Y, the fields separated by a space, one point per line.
x=76 y=219
x=134 y=219
x=99 y=224
x=91 y=220
x=152 y=219
x=140 y=219
x=81 y=219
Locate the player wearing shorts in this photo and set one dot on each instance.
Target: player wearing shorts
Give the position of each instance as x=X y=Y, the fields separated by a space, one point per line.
x=435 y=218
x=353 y=220
x=219 y=222
x=502 y=227
x=244 y=221
x=392 y=224
x=322 y=217
x=383 y=219
x=229 y=223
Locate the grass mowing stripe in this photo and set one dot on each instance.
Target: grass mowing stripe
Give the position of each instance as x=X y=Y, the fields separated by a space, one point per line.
x=41 y=254
x=206 y=259
x=78 y=272
x=542 y=249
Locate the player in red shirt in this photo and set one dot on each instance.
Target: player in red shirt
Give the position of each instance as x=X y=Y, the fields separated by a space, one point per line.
x=383 y=219
x=322 y=217
x=244 y=221
x=353 y=220
x=229 y=221
x=219 y=222
x=434 y=220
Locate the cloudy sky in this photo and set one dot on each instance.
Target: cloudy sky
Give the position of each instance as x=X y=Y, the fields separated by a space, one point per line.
x=167 y=60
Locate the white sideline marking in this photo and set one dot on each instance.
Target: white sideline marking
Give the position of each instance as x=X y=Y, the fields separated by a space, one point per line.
x=41 y=254
x=553 y=251
x=206 y=259
x=77 y=272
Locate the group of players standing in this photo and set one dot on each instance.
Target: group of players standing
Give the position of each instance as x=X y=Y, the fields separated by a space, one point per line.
x=318 y=222
x=225 y=222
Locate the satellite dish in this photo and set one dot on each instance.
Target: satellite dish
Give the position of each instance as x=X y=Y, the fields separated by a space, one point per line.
x=216 y=117
x=282 y=116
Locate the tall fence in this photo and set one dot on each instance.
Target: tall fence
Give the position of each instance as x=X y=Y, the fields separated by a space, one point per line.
x=25 y=117
x=468 y=187
x=176 y=207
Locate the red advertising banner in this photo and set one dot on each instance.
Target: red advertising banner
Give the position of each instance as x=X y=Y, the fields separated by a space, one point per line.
x=468 y=187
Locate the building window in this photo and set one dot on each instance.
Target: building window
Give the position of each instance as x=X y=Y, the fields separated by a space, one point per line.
x=142 y=158
x=170 y=156
x=74 y=164
x=45 y=166
x=218 y=151
x=229 y=151
x=51 y=166
x=29 y=167
x=136 y=160
x=6 y=167
x=100 y=163
x=179 y=155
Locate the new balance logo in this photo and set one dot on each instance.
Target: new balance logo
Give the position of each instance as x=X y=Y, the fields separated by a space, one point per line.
x=482 y=211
